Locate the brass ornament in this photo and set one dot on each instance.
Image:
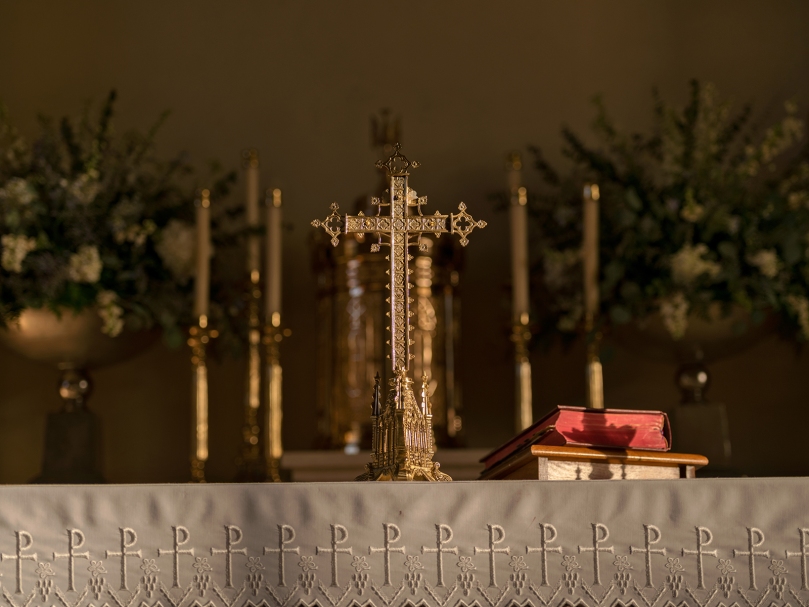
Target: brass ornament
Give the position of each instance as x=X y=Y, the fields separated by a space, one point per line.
x=403 y=444
x=250 y=466
x=273 y=412
x=199 y=336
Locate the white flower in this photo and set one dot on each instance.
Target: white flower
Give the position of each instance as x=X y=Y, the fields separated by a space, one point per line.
x=797 y=200
x=85 y=266
x=734 y=223
x=674 y=311
x=18 y=190
x=800 y=307
x=692 y=212
x=177 y=248
x=110 y=312
x=15 y=250
x=777 y=140
x=126 y=225
x=412 y=196
x=766 y=260
x=85 y=188
x=136 y=234
x=688 y=264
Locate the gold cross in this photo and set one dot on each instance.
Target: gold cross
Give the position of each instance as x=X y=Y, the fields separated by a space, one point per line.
x=399 y=230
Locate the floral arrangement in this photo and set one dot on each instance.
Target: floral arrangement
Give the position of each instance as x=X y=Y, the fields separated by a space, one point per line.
x=704 y=212
x=88 y=219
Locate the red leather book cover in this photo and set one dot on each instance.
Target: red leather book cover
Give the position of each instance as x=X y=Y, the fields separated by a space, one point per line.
x=580 y=427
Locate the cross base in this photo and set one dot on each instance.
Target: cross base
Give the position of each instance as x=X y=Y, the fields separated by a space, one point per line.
x=406 y=473
x=403 y=444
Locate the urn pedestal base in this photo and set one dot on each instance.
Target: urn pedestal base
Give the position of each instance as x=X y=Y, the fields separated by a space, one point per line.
x=72 y=449
x=703 y=428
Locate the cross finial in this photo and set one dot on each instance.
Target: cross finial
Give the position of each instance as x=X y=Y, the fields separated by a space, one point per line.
x=397 y=163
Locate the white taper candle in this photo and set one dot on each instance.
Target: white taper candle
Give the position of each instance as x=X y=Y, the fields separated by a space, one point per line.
x=590 y=250
x=252 y=214
x=274 y=251
x=518 y=215
x=202 y=281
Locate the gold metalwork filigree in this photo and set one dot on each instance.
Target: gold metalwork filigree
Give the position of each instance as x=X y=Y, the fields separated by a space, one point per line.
x=333 y=224
x=403 y=445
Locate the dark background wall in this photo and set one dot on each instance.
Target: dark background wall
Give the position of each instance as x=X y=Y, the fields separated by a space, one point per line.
x=471 y=80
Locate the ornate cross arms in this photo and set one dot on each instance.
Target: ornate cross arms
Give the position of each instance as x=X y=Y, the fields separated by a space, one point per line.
x=333 y=224
x=463 y=223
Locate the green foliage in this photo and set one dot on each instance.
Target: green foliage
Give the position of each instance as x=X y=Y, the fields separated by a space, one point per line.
x=703 y=209
x=88 y=218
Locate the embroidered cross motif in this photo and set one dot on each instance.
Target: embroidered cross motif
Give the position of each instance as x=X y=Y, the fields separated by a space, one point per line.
x=544 y=549
x=128 y=539
x=492 y=551
x=181 y=537
x=651 y=536
x=600 y=535
x=75 y=540
x=803 y=554
x=22 y=536
x=286 y=535
x=443 y=536
x=755 y=538
x=387 y=549
x=233 y=536
x=334 y=550
x=704 y=538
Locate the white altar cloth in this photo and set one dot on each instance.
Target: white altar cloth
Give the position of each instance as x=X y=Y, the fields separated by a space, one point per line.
x=492 y=544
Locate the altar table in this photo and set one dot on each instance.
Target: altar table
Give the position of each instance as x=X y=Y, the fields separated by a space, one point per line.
x=712 y=542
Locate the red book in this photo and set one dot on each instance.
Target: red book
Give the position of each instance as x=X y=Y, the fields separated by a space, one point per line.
x=580 y=427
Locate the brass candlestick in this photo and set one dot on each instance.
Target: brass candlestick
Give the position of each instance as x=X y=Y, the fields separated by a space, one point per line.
x=594 y=377
x=250 y=465
x=273 y=411
x=524 y=415
x=403 y=445
x=199 y=337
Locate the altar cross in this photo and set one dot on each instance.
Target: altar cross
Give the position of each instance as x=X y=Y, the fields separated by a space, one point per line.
x=399 y=230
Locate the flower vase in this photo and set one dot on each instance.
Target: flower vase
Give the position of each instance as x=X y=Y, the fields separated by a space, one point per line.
x=74 y=344
x=698 y=425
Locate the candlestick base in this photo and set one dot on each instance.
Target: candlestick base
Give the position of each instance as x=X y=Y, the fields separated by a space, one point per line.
x=199 y=337
x=274 y=471
x=523 y=398
x=197 y=471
